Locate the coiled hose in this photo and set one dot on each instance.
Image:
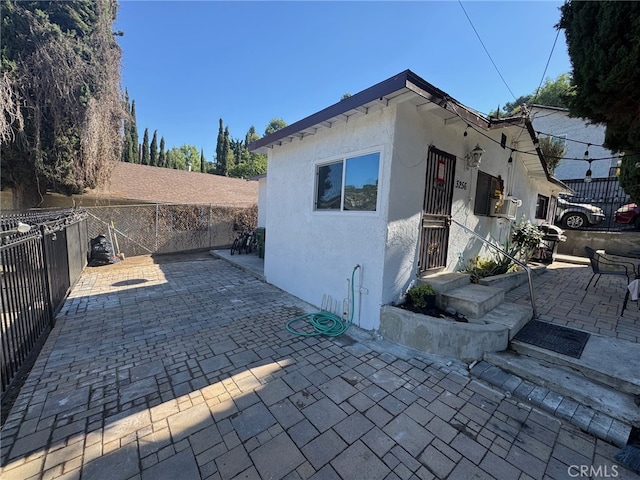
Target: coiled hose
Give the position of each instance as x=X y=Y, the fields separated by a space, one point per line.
x=325 y=323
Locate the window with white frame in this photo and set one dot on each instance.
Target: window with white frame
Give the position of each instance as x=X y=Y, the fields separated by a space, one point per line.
x=348 y=185
x=542 y=207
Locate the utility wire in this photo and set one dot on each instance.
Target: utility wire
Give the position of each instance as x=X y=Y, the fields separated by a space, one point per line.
x=546 y=67
x=451 y=107
x=485 y=49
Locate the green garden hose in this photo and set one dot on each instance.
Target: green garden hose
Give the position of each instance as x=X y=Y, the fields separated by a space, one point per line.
x=325 y=323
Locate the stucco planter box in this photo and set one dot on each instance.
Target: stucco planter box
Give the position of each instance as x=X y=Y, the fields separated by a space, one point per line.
x=509 y=281
x=439 y=336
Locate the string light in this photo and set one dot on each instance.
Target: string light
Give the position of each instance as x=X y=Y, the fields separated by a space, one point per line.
x=536 y=141
x=587 y=177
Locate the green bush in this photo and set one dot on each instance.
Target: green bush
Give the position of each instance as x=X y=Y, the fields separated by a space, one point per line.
x=417 y=294
x=526 y=236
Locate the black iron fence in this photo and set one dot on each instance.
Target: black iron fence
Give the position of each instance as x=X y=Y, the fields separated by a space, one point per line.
x=37 y=270
x=605 y=193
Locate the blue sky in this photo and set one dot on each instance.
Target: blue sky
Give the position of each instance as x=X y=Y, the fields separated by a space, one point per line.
x=189 y=63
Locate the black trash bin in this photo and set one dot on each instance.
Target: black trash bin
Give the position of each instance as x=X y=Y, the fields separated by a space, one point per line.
x=261 y=234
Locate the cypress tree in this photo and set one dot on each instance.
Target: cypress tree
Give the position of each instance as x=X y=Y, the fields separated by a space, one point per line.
x=126 y=131
x=153 y=160
x=145 y=147
x=202 y=162
x=162 y=160
x=221 y=159
x=226 y=152
x=134 y=155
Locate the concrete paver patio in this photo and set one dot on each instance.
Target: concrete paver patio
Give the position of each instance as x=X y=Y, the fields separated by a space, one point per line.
x=184 y=370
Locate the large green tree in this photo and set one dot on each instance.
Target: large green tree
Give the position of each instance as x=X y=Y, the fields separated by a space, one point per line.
x=247 y=164
x=180 y=158
x=62 y=109
x=274 y=125
x=603 y=40
x=233 y=158
x=552 y=93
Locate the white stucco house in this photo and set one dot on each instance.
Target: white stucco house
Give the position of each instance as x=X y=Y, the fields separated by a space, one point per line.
x=383 y=179
x=584 y=136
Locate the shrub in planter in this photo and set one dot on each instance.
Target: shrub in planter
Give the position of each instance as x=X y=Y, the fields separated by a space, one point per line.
x=422 y=297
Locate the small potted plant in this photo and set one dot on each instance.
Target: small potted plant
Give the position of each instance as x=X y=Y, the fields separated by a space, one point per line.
x=422 y=298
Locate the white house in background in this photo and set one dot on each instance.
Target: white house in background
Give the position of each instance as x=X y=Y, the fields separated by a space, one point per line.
x=556 y=122
x=374 y=180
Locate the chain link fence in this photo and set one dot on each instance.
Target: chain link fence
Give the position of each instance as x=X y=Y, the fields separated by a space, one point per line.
x=168 y=228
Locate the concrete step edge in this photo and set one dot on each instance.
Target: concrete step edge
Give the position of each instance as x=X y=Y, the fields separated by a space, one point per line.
x=561 y=406
x=512 y=315
x=602 y=377
x=472 y=300
x=569 y=383
x=446 y=281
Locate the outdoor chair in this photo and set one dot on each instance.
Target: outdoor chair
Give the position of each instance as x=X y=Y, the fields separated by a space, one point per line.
x=601 y=265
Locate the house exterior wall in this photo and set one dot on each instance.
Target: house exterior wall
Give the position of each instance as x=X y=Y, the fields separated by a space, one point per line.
x=312 y=253
x=414 y=133
x=557 y=122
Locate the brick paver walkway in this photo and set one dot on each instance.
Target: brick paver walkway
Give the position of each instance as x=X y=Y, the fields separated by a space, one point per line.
x=185 y=371
x=561 y=298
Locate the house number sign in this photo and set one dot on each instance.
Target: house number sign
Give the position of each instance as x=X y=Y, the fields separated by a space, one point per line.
x=461 y=185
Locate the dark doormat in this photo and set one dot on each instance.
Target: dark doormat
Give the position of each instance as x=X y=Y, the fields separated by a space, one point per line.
x=566 y=341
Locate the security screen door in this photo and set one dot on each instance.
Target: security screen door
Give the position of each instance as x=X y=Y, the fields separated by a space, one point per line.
x=438 y=195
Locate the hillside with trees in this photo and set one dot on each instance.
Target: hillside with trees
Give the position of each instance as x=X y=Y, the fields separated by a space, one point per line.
x=60 y=96
x=65 y=118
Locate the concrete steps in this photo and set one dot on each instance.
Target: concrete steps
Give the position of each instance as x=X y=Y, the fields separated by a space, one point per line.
x=599 y=421
x=599 y=392
x=472 y=300
x=611 y=362
x=490 y=324
x=570 y=383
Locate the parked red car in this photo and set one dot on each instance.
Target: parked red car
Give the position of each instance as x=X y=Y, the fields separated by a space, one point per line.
x=628 y=214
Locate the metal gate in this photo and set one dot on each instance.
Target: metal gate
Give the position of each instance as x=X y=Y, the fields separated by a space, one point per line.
x=438 y=195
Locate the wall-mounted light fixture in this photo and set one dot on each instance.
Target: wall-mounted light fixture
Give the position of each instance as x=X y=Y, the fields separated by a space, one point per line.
x=474 y=157
x=21 y=228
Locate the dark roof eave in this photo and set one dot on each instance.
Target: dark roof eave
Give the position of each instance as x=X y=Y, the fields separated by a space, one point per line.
x=404 y=80
x=377 y=91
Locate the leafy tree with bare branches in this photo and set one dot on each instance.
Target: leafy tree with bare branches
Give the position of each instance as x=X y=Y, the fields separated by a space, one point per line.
x=61 y=101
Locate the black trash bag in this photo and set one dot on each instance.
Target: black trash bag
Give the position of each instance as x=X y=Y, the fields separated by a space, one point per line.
x=101 y=252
